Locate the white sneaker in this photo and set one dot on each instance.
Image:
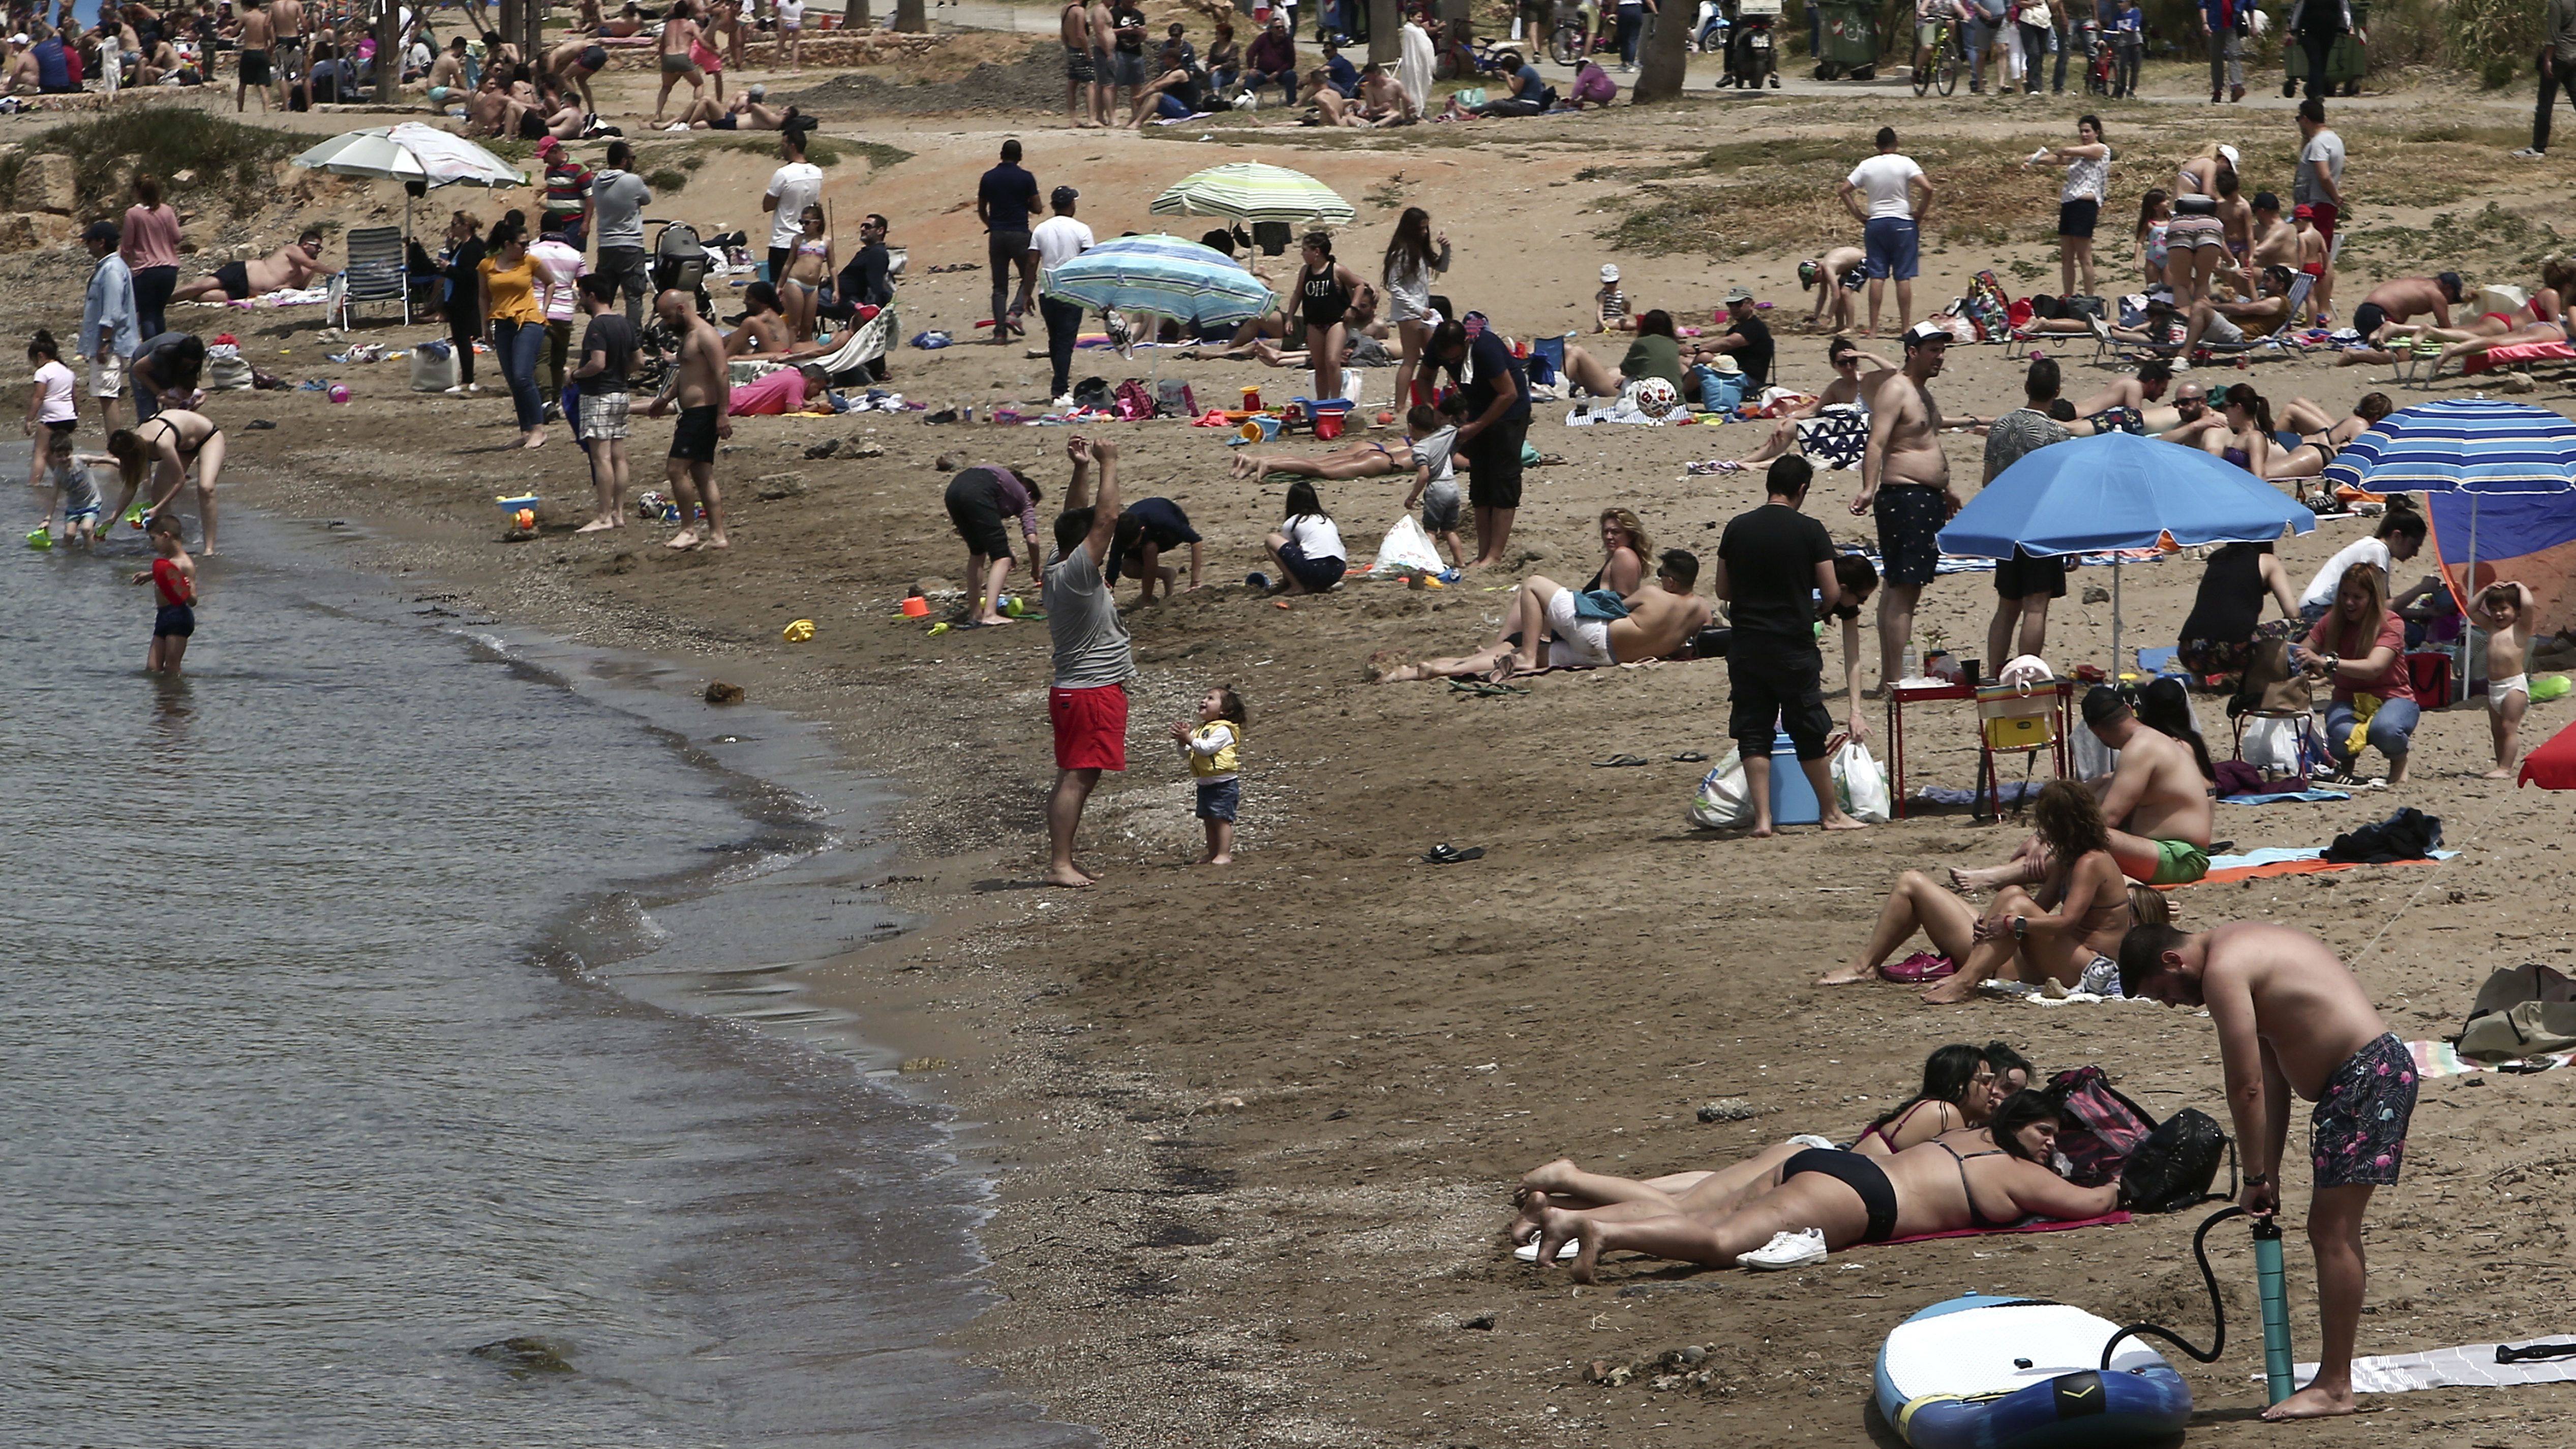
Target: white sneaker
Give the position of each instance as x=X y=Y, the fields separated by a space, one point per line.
x=1063 y=404
x=1786 y=1250
x=2528 y=154
x=1810 y=1139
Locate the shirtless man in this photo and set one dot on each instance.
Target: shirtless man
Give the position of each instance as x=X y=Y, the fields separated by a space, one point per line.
x=573 y=63
x=1905 y=483
x=292 y=267
x=258 y=38
x=764 y=331
x=697 y=387
x=1552 y=635
x=747 y=112
x=1381 y=101
x=1073 y=30
x=493 y=111
x=2135 y=394
x=446 y=79
x=2157 y=801
x=2228 y=323
x=1855 y=372
x=1104 y=70
x=679 y=37
x=294 y=65
x=2276 y=241
x=2291 y=1018
x=2401 y=300
x=1836 y=278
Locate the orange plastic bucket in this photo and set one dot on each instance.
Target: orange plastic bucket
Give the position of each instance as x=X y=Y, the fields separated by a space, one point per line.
x=916 y=607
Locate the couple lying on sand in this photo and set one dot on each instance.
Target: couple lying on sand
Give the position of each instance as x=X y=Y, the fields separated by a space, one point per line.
x=1792 y=1203
x=1549 y=626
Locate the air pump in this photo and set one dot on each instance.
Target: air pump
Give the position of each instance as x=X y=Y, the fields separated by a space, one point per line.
x=2268 y=1286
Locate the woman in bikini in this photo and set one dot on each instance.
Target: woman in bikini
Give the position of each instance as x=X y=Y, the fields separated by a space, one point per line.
x=811 y=266
x=1363 y=459
x=1961 y=1085
x=2247 y=439
x=2055 y=933
x=2320 y=436
x=1965 y=1180
x=165 y=446
x=1624 y=551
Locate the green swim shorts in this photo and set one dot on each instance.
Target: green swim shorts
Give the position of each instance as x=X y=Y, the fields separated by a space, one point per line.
x=2179 y=862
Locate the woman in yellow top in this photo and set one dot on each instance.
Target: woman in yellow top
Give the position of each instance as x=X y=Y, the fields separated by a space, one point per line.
x=517 y=320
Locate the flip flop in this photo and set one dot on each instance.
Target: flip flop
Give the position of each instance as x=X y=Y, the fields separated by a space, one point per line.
x=1618 y=762
x=1690 y=757
x=1485 y=687
x=1445 y=854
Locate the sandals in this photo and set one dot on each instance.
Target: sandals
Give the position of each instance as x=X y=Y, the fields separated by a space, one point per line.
x=1485 y=688
x=1445 y=854
x=1690 y=757
x=1619 y=762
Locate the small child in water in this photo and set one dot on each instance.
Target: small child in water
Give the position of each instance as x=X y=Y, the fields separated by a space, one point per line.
x=2504 y=611
x=1435 y=477
x=1213 y=749
x=173 y=577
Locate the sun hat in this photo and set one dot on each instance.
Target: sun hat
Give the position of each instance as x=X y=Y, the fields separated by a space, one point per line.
x=2230 y=153
x=1726 y=365
x=1609 y=271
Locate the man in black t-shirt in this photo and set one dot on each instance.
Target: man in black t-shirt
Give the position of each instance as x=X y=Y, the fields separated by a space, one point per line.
x=603 y=402
x=1003 y=200
x=1771 y=564
x=1497 y=393
x=1747 y=340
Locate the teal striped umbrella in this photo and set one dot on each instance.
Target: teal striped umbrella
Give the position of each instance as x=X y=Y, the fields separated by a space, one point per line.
x=1163 y=275
x=1249 y=191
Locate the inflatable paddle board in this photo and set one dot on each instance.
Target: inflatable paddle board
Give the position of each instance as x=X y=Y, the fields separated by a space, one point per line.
x=2018 y=1373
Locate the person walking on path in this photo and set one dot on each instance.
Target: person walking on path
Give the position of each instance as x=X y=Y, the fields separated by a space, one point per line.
x=697 y=387
x=2318 y=186
x=1087 y=701
x=2079 y=201
x=1772 y=565
x=1899 y=201
x=150 y=245
x=2219 y=22
x=2024 y=583
x=2557 y=69
x=109 y=333
x=1057 y=240
x=2316 y=25
x=1003 y=201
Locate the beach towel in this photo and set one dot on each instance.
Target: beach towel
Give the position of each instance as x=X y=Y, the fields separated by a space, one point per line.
x=2469 y=1366
x=1835 y=437
x=2277 y=860
x=2441 y=1059
x=2515 y=355
x=1528 y=1252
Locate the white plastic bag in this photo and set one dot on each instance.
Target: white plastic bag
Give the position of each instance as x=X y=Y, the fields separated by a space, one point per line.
x=1721 y=803
x=1860 y=783
x=1407 y=547
x=2272 y=746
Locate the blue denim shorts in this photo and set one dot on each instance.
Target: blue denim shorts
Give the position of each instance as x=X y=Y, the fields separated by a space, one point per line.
x=1219 y=799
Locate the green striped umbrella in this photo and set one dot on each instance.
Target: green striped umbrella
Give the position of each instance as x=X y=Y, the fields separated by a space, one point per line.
x=1249 y=191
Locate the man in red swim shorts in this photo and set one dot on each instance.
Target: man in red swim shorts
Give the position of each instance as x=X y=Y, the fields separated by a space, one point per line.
x=1093 y=660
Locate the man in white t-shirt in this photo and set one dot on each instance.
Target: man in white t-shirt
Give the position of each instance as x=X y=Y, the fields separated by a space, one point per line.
x=1055 y=241
x=792 y=188
x=2400 y=535
x=1891 y=198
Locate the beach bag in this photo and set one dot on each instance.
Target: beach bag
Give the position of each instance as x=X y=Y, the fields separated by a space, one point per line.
x=1407 y=549
x=1132 y=401
x=2173 y=1167
x=1091 y=395
x=2101 y=1129
x=1719 y=392
x=225 y=371
x=1173 y=399
x=1721 y=802
x=2523 y=1011
x=1860 y=783
x=433 y=367
x=1836 y=437
x=1987 y=308
x=1471 y=97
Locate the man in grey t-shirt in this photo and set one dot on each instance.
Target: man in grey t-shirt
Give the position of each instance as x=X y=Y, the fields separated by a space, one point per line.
x=2024 y=583
x=1093 y=660
x=617 y=199
x=2318 y=186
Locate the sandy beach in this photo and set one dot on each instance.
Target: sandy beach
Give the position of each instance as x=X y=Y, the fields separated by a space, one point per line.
x=1254 y=1130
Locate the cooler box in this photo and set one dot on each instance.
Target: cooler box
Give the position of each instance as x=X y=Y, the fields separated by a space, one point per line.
x=1793 y=800
x=2014 y=720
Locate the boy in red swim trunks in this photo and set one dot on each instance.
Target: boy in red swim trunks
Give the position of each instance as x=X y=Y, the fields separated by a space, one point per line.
x=2291 y=1018
x=1093 y=660
x=173 y=577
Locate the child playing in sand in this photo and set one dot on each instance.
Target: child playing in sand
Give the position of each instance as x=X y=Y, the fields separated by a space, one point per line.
x=2504 y=611
x=1435 y=477
x=1610 y=311
x=1212 y=749
x=173 y=577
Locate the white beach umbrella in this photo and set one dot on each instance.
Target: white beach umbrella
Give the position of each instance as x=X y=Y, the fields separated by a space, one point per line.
x=411 y=152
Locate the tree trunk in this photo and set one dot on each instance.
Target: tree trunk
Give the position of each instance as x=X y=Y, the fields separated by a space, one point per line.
x=509 y=22
x=1386 y=43
x=1457 y=29
x=1666 y=62
x=856 y=17
x=908 y=17
x=531 y=34
x=389 y=53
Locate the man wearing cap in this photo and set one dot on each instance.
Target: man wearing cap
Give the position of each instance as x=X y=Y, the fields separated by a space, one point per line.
x=1833 y=277
x=1057 y=240
x=566 y=208
x=108 y=334
x=2318 y=184
x=1899 y=202
x=1905 y=485
x=2156 y=801
x=2557 y=68
x=1747 y=340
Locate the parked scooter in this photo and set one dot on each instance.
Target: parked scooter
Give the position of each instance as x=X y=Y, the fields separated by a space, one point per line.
x=1751 y=48
x=1708 y=35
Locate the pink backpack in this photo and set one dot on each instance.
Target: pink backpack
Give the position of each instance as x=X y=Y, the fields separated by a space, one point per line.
x=1131 y=402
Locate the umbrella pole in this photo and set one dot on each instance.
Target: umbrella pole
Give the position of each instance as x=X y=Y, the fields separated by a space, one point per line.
x=2471 y=591
x=2115 y=621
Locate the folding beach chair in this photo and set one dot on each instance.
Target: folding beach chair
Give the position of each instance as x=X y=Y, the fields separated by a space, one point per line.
x=377 y=272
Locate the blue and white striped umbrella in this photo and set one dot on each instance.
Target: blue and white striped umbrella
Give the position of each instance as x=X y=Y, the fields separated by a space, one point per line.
x=1164 y=275
x=2462 y=445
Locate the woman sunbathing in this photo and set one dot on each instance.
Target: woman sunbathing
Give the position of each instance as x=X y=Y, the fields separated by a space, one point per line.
x=2320 y=436
x=1961 y=1085
x=1362 y=459
x=2073 y=920
x=1959 y=1180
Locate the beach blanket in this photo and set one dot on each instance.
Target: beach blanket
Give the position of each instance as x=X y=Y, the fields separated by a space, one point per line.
x=2272 y=861
x=2313 y=797
x=282 y=297
x=2441 y=1059
x=1835 y=437
x=2515 y=354
x=1528 y=1252
x=2470 y=1366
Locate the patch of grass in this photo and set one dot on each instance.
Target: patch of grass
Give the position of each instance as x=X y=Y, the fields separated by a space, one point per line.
x=229 y=160
x=692 y=162
x=669 y=181
x=823 y=151
x=1387 y=195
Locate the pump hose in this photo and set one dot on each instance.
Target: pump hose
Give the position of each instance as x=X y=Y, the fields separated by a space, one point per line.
x=2217 y=1310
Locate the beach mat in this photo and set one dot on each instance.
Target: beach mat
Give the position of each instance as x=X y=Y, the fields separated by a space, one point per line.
x=2280 y=860
x=2469 y=1366
x=2441 y=1059
x=2032 y=1225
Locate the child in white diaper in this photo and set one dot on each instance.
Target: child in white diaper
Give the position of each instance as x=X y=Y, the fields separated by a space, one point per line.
x=2504 y=611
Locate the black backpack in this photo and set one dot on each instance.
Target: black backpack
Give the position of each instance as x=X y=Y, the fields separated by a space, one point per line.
x=2173 y=1168
x=1093 y=394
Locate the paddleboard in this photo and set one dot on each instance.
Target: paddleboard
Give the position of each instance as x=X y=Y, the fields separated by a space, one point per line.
x=1981 y=1372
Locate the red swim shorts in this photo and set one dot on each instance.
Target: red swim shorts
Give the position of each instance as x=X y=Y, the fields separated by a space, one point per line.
x=1090 y=727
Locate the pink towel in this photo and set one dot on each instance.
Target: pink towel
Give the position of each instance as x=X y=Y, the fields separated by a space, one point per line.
x=2034 y=1225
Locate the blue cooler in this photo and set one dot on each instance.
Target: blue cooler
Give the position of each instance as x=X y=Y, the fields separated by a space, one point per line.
x=1793 y=800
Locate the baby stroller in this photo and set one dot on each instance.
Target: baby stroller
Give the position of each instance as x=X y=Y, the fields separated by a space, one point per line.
x=679 y=261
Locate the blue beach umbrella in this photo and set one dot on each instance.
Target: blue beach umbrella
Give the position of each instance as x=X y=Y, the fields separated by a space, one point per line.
x=2119 y=491
x=1163 y=275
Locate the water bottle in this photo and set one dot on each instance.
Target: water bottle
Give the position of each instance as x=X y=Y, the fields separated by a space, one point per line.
x=1913 y=661
x=2276 y=1309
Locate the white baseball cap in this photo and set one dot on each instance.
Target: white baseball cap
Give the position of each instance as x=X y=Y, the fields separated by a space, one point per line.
x=1609 y=271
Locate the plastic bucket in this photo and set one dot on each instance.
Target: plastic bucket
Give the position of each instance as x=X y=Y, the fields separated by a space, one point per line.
x=916 y=607
x=1793 y=800
x=1328 y=426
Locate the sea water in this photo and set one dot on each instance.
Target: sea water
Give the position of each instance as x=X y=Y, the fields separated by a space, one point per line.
x=391 y=986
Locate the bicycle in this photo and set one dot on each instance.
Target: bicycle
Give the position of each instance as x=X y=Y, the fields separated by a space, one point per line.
x=1939 y=62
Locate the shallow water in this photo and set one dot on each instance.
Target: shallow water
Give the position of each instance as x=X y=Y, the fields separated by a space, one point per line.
x=381 y=990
